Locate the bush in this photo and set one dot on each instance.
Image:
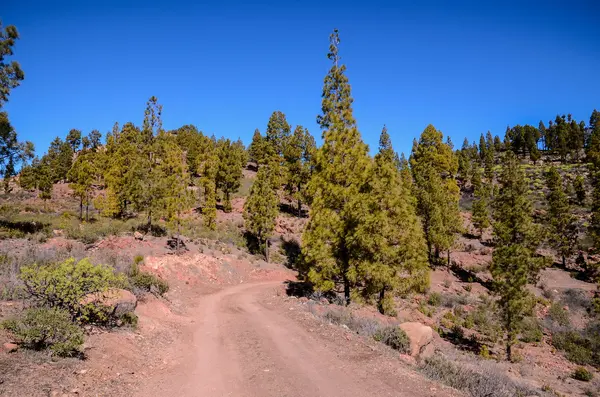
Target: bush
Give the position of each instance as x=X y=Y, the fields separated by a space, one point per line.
x=64 y=285
x=580 y=347
x=42 y=328
x=147 y=282
x=531 y=330
x=484 y=382
x=394 y=337
x=559 y=315
x=435 y=299
x=582 y=374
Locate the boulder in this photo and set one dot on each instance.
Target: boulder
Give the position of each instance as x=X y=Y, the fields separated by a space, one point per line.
x=10 y=347
x=120 y=301
x=421 y=338
x=138 y=236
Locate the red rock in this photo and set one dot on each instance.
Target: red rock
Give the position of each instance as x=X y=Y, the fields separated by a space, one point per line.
x=10 y=347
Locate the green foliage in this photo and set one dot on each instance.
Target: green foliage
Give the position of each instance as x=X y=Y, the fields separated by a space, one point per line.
x=580 y=347
x=434 y=166
x=278 y=133
x=513 y=260
x=147 y=282
x=531 y=330
x=261 y=208
x=562 y=226
x=481 y=206
x=580 y=189
x=229 y=172
x=258 y=149
x=388 y=237
x=11 y=73
x=82 y=175
x=559 y=315
x=435 y=299
x=394 y=337
x=41 y=328
x=298 y=154
x=64 y=285
x=340 y=172
x=582 y=374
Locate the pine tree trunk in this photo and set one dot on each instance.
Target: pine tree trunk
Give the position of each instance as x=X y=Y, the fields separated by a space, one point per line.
x=267 y=250
x=149 y=220
x=81 y=208
x=381 y=298
x=87 y=210
x=346 y=288
x=448 y=253
x=564 y=262
x=299 y=209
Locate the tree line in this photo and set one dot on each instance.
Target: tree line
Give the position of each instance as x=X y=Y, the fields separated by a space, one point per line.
x=377 y=223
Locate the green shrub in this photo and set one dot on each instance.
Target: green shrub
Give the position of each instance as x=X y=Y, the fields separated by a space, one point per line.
x=559 y=315
x=435 y=299
x=147 y=282
x=394 y=337
x=579 y=347
x=64 y=285
x=582 y=374
x=531 y=330
x=130 y=319
x=42 y=328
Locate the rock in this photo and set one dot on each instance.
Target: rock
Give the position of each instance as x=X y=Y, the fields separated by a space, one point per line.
x=10 y=347
x=175 y=243
x=119 y=300
x=421 y=337
x=138 y=236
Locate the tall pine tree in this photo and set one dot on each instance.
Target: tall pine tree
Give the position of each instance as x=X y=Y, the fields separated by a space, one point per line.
x=341 y=166
x=561 y=222
x=513 y=260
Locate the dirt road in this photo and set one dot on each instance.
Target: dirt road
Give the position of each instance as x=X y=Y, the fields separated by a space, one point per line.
x=243 y=346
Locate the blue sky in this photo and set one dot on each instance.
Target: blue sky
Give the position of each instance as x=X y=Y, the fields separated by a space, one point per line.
x=225 y=67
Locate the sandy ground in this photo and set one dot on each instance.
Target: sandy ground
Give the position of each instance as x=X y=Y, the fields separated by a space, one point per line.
x=244 y=344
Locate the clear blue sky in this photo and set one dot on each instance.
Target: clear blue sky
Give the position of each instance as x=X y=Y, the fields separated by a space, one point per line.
x=224 y=67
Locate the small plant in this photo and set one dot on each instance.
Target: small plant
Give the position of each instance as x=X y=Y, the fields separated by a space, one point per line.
x=582 y=374
x=559 y=315
x=484 y=352
x=447 y=283
x=394 y=337
x=147 y=282
x=129 y=319
x=531 y=330
x=458 y=332
x=435 y=299
x=468 y=287
x=426 y=310
x=138 y=259
x=42 y=328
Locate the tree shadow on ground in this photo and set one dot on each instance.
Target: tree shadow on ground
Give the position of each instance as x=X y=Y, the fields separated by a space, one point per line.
x=456 y=337
x=299 y=289
x=154 y=230
x=252 y=167
x=27 y=227
x=252 y=243
x=293 y=253
x=467 y=276
x=291 y=209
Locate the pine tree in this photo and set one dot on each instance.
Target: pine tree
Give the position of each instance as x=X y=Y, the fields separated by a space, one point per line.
x=593 y=146
x=12 y=152
x=258 y=149
x=260 y=210
x=580 y=189
x=174 y=181
x=60 y=158
x=434 y=165
x=94 y=139
x=208 y=168
x=481 y=210
x=389 y=234
x=82 y=176
x=513 y=260
x=278 y=132
x=229 y=172
x=561 y=222
x=339 y=175
x=298 y=155
x=74 y=139
x=482 y=148
x=11 y=73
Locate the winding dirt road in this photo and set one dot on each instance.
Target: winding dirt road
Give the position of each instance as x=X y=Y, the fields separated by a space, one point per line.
x=244 y=346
